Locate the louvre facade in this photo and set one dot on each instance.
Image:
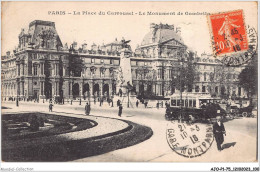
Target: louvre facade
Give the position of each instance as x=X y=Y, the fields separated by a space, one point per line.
x=43 y=67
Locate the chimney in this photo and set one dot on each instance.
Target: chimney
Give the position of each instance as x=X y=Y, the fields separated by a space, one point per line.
x=152 y=25
x=84 y=46
x=75 y=45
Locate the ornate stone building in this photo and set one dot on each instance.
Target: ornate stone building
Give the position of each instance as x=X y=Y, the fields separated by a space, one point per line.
x=215 y=78
x=42 y=67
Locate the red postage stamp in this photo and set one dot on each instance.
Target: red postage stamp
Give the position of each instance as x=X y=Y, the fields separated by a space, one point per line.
x=228 y=32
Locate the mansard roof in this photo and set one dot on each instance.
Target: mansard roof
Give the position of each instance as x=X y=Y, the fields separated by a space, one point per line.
x=39 y=27
x=161 y=33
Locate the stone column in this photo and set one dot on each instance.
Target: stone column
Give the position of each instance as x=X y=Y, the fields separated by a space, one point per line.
x=57 y=69
x=18 y=88
x=43 y=89
x=110 y=89
x=53 y=88
x=40 y=88
x=69 y=89
x=58 y=88
x=101 y=89
x=71 y=84
x=80 y=89
x=64 y=71
x=22 y=68
x=17 y=69
x=54 y=69
x=42 y=68
x=91 y=88
x=22 y=88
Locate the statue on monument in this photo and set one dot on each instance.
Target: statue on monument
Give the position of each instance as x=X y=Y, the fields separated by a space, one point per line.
x=125 y=46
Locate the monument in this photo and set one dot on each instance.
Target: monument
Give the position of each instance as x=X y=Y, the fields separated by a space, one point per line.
x=124 y=77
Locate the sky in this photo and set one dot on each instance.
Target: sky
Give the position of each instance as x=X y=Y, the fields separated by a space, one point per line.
x=105 y=28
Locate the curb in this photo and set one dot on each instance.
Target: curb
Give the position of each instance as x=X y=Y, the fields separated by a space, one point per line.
x=76 y=149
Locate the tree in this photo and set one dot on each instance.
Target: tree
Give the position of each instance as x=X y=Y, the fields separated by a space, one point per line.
x=76 y=65
x=186 y=76
x=248 y=77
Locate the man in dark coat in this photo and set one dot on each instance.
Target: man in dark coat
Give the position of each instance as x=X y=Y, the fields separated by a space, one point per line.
x=50 y=107
x=219 y=131
x=87 y=109
x=118 y=102
x=120 y=110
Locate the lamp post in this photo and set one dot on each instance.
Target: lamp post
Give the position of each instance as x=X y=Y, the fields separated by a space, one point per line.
x=17 y=101
x=127 y=97
x=181 y=68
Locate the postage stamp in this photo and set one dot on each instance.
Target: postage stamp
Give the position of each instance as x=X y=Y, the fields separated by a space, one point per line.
x=232 y=42
x=189 y=140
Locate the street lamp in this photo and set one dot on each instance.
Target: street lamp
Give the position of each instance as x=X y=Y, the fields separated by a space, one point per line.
x=181 y=68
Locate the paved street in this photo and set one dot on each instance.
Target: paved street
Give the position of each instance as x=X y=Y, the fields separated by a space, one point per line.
x=240 y=142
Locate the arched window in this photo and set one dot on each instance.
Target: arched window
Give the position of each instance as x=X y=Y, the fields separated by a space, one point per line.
x=216 y=89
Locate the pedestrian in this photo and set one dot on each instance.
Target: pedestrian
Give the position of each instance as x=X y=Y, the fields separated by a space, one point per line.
x=17 y=102
x=118 y=102
x=120 y=110
x=137 y=103
x=219 y=131
x=50 y=107
x=87 y=109
x=145 y=104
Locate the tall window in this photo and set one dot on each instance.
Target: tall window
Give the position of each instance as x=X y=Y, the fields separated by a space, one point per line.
x=203 y=89
x=197 y=89
x=159 y=73
x=205 y=76
x=35 y=68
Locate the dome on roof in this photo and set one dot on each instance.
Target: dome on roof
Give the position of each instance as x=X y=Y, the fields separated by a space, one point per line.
x=161 y=33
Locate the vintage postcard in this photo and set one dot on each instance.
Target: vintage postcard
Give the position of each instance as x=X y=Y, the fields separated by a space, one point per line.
x=129 y=82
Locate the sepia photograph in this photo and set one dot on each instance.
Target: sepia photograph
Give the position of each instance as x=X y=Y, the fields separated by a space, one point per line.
x=129 y=82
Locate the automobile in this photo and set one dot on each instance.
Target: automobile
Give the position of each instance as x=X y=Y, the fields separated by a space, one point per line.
x=234 y=110
x=246 y=111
